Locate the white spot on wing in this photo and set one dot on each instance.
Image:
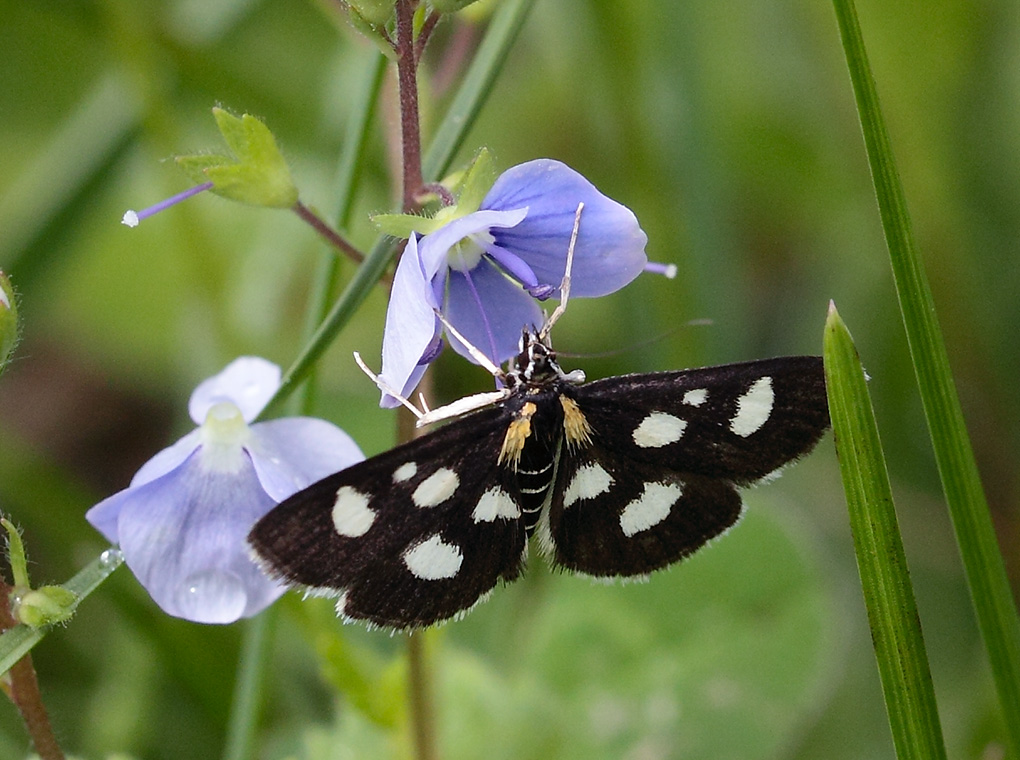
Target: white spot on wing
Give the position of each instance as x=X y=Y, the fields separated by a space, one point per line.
x=436 y=488
x=753 y=408
x=495 y=503
x=650 y=508
x=659 y=429
x=588 y=482
x=696 y=397
x=351 y=514
x=433 y=559
x=406 y=471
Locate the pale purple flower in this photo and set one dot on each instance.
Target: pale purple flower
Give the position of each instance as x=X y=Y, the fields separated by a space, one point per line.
x=485 y=270
x=182 y=523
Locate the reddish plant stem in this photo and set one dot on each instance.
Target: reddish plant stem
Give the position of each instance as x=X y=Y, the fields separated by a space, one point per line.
x=24 y=692
x=330 y=235
x=410 y=127
x=423 y=36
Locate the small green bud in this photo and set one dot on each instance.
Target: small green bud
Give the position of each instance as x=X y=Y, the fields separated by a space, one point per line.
x=8 y=319
x=450 y=6
x=257 y=172
x=45 y=606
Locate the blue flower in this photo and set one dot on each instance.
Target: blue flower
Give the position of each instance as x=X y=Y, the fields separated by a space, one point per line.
x=485 y=270
x=182 y=522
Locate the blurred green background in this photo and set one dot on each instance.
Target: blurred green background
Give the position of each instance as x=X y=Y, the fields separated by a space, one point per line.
x=730 y=130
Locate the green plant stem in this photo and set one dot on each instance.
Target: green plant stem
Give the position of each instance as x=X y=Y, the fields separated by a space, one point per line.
x=251 y=675
x=990 y=592
x=419 y=697
x=882 y=563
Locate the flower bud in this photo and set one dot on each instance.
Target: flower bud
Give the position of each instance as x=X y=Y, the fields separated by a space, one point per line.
x=8 y=319
x=45 y=606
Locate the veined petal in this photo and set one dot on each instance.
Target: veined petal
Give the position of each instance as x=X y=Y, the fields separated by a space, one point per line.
x=168 y=459
x=411 y=324
x=434 y=247
x=493 y=321
x=293 y=452
x=610 y=248
x=248 y=382
x=104 y=515
x=183 y=536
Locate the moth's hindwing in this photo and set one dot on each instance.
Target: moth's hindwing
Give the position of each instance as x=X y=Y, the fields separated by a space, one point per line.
x=657 y=477
x=407 y=538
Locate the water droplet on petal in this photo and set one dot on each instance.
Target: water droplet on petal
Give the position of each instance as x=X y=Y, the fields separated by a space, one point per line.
x=214 y=596
x=111 y=558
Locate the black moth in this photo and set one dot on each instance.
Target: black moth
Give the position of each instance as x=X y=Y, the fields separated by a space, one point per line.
x=617 y=477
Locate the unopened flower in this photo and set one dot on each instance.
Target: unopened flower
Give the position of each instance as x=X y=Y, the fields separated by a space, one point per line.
x=182 y=522
x=485 y=269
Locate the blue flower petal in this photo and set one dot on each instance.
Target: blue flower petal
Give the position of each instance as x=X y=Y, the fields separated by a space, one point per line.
x=248 y=382
x=610 y=249
x=412 y=327
x=168 y=459
x=183 y=536
x=493 y=321
x=293 y=452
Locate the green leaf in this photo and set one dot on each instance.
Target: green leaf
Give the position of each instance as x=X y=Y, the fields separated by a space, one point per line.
x=885 y=580
x=257 y=174
x=990 y=590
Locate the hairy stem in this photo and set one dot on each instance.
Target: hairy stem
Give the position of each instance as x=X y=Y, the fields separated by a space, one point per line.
x=410 y=126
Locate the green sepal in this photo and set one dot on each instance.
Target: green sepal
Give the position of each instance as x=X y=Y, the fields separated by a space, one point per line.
x=374 y=32
x=470 y=186
x=473 y=184
x=46 y=605
x=256 y=174
x=16 y=554
x=450 y=6
x=402 y=225
x=8 y=319
x=375 y=12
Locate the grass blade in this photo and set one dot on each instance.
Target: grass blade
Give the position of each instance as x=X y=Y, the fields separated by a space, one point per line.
x=885 y=581
x=986 y=574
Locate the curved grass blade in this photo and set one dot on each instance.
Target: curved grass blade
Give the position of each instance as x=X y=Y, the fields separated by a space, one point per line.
x=975 y=535
x=885 y=580
x=17 y=642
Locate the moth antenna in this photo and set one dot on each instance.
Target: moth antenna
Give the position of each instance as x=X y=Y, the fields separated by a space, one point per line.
x=543 y=334
x=385 y=387
x=476 y=353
